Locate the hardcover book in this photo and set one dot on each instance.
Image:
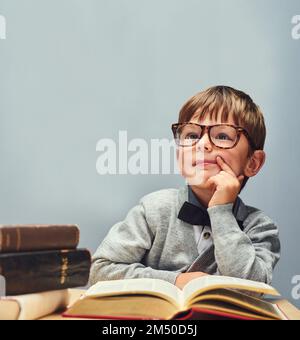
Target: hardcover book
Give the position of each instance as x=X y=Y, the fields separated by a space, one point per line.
x=202 y=298
x=33 y=237
x=33 y=306
x=35 y=272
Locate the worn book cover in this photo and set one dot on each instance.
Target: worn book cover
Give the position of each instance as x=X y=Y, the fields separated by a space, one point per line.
x=43 y=271
x=33 y=237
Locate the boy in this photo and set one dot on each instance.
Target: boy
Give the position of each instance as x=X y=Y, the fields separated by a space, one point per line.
x=203 y=228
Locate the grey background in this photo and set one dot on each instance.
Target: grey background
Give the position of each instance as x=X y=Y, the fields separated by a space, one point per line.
x=73 y=72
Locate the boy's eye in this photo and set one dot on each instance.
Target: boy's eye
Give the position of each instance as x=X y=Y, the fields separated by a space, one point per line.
x=223 y=136
x=191 y=136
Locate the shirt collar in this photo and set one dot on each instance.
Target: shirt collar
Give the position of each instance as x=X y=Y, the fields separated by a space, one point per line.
x=193 y=212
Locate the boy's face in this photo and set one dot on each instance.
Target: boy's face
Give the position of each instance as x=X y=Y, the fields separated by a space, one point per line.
x=191 y=159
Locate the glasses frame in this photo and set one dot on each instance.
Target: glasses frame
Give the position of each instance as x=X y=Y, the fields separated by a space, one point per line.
x=205 y=128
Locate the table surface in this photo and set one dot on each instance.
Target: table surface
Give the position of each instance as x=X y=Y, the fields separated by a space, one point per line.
x=289 y=310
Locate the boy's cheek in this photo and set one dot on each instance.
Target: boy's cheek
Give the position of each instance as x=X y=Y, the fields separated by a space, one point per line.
x=234 y=162
x=189 y=155
x=185 y=159
x=185 y=162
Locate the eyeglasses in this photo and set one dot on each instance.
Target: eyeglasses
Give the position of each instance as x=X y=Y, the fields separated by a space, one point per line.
x=223 y=136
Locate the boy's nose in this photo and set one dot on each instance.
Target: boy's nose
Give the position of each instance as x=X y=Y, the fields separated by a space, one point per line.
x=204 y=143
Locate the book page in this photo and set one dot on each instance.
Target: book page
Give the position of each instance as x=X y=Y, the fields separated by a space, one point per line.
x=153 y=287
x=203 y=284
x=238 y=299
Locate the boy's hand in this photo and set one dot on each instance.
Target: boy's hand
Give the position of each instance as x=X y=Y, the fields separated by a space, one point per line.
x=184 y=278
x=226 y=185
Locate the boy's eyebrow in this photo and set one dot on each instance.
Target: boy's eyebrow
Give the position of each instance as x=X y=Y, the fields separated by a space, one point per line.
x=216 y=123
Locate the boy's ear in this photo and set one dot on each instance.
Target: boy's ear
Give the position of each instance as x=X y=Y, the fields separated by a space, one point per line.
x=255 y=163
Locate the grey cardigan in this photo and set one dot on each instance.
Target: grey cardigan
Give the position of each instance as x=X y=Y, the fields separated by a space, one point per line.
x=155 y=241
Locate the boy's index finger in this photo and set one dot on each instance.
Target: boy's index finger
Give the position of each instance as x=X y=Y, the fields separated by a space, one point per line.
x=224 y=166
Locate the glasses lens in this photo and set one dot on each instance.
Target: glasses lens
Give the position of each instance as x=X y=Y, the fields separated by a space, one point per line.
x=223 y=136
x=187 y=135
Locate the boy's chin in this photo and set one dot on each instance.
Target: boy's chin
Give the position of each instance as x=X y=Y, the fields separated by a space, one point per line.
x=199 y=182
x=199 y=177
x=196 y=182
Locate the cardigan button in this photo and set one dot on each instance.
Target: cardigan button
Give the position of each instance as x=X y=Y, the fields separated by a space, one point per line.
x=206 y=235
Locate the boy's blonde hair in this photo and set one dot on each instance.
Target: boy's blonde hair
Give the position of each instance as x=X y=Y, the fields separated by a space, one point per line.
x=225 y=102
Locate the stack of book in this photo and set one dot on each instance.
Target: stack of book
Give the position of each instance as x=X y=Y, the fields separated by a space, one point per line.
x=38 y=264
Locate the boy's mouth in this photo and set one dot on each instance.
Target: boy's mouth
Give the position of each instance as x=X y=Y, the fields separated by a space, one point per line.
x=205 y=162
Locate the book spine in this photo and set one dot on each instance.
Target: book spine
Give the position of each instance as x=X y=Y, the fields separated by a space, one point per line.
x=36 y=272
x=38 y=237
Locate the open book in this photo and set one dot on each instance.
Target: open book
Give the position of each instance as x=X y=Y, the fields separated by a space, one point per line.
x=204 y=297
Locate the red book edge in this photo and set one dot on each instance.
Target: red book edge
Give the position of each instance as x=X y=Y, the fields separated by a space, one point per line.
x=186 y=317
